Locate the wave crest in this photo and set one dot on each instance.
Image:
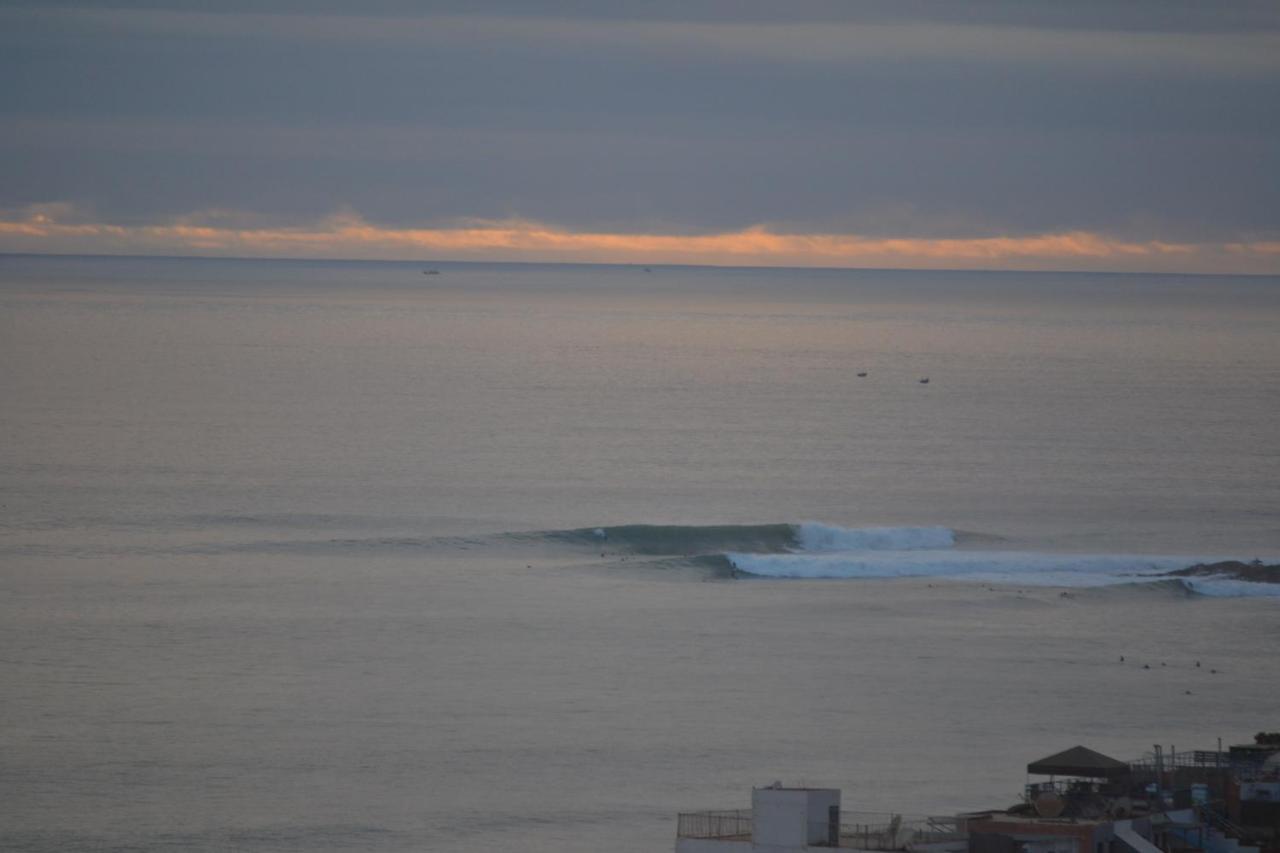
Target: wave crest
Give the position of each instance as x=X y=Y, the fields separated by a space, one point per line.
x=808 y=536
x=813 y=536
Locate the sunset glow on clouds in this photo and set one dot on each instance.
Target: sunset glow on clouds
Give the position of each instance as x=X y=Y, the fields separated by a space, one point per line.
x=349 y=236
x=887 y=134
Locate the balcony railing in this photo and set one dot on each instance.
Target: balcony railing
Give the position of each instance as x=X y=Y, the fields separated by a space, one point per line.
x=898 y=832
x=867 y=831
x=727 y=825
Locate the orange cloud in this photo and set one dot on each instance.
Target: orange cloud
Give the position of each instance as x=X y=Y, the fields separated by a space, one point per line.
x=349 y=236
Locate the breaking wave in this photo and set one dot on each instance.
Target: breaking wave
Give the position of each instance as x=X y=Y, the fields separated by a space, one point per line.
x=822 y=537
x=805 y=550
x=988 y=566
x=813 y=550
x=676 y=539
x=1224 y=587
x=823 y=551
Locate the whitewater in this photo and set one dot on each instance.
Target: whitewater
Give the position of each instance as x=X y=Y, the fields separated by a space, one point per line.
x=834 y=552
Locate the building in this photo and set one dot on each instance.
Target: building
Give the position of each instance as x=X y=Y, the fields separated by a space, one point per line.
x=1253 y=789
x=1193 y=802
x=785 y=820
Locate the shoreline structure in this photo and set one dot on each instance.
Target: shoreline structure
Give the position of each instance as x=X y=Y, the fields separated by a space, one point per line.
x=1198 y=801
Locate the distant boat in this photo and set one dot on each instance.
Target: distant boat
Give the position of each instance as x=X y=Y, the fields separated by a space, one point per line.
x=863 y=373
x=646 y=269
x=924 y=381
x=431 y=272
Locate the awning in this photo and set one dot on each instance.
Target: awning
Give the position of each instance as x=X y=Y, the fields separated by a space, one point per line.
x=1079 y=761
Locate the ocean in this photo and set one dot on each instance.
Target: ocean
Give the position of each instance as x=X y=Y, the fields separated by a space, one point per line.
x=310 y=556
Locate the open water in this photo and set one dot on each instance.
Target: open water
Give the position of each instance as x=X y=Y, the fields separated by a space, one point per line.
x=341 y=556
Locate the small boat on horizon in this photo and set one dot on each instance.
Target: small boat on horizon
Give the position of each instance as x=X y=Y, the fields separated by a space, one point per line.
x=431 y=272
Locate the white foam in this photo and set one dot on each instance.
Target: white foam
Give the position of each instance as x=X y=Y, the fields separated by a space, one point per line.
x=1030 y=568
x=813 y=536
x=1223 y=587
x=827 y=551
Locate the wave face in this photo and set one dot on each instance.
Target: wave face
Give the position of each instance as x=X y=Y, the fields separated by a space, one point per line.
x=690 y=540
x=808 y=536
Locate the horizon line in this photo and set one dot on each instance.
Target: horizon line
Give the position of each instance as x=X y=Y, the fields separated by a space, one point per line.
x=633 y=264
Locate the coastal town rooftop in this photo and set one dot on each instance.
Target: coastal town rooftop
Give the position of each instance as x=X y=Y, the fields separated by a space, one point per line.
x=853 y=831
x=1208 y=801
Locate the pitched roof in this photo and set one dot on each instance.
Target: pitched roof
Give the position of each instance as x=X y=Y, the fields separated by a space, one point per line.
x=1078 y=761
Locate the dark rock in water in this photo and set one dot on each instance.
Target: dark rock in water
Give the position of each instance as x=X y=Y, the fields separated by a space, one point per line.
x=1255 y=571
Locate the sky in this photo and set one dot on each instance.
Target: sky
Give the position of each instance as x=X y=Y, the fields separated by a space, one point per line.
x=1136 y=135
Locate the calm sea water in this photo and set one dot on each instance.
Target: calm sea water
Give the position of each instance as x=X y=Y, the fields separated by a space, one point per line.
x=260 y=590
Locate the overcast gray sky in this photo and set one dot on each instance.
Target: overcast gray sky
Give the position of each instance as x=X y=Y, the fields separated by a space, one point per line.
x=1150 y=123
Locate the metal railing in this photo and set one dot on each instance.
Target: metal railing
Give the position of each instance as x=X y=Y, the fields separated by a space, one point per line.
x=728 y=824
x=1245 y=767
x=1197 y=758
x=899 y=831
x=879 y=831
